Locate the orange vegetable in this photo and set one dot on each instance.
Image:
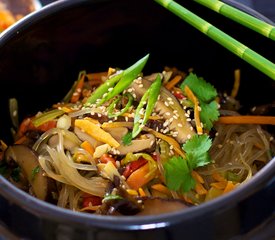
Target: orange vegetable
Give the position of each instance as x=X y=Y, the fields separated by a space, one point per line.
x=195 y=101
x=197 y=177
x=78 y=89
x=88 y=147
x=218 y=177
x=161 y=188
x=219 y=185
x=229 y=187
x=169 y=85
x=199 y=188
x=96 y=132
x=140 y=177
x=247 y=120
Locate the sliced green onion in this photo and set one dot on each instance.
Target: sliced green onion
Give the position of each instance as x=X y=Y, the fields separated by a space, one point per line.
x=122 y=81
x=111 y=108
x=47 y=116
x=241 y=17
x=151 y=95
x=242 y=51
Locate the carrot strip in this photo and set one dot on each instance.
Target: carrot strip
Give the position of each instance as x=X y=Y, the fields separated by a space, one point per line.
x=169 y=85
x=197 y=177
x=161 y=188
x=88 y=147
x=218 y=177
x=140 y=177
x=195 y=101
x=77 y=92
x=247 y=119
x=199 y=188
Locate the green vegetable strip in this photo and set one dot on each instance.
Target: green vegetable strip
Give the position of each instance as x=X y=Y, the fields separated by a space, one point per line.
x=112 y=106
x=103 y=88
x=222 y=38
x=240 y=17
x=152 y=95
x=47 y=116
x=128 y=76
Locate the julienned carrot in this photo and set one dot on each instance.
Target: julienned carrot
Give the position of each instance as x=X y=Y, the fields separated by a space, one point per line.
x=78 y=88
x=140 y=177
x=173 y=82
x=88 y=147
x=161 y=188
x=199 y=188
x=195 y=101
x=247 y=119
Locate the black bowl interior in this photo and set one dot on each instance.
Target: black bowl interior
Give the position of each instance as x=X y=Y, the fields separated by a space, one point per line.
x=41 y=56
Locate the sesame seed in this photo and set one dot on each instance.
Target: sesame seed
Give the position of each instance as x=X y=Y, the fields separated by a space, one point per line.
x=253 y=109
x=140 y=85
x=271 y=139
x=219 y=146
x=216 y=134
x=179 y=125
x=169 y=99
x=166 y=104
x=126 y=119
x=168 y=113
x=187 y=115
x=188 y=119
x=189 y=136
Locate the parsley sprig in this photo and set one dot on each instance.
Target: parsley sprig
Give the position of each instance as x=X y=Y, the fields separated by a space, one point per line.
x=206 y=95
x=178 y=170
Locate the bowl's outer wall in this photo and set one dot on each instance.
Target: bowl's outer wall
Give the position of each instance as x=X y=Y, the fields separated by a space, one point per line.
x=41 y=57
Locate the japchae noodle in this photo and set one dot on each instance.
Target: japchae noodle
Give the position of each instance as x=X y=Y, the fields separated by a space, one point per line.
x=121 y=143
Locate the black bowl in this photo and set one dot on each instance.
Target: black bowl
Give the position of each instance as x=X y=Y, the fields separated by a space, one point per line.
x=41 y=56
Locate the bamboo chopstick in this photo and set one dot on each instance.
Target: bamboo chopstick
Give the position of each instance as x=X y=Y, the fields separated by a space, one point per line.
x=242 y=51
x=241 y=17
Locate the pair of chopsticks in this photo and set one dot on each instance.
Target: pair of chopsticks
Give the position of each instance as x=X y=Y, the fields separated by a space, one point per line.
x=242 y=51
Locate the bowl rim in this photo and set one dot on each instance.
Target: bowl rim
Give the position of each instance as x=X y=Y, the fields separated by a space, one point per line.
x=52 y=212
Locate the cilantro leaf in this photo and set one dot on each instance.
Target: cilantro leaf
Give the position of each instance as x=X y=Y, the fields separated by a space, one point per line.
x=202 y=89
x=127 y=139
x=177 y=170
x=209 y=113
x=206 y=94
x=178 y=175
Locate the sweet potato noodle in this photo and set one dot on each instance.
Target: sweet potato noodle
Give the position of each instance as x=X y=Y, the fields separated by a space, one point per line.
x=124 y=143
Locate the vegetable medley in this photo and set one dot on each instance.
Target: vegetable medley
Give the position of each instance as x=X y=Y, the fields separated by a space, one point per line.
x=125 y=143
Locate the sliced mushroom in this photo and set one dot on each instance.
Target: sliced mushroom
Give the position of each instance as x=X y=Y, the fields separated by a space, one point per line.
x=24 y=157
x=117 y=133
x=155 y=206
x=145 y=143
x=169 y=108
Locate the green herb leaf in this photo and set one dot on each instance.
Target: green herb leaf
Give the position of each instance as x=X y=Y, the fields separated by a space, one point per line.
x=127 y=139
x=177 y=170
x=202 y=89
x=206 y=94
x=35 y=171
x=178 y=175
x=209 y=113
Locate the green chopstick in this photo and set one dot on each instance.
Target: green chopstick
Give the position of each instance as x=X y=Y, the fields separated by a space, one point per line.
x=242 y=51
x=241 y=17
